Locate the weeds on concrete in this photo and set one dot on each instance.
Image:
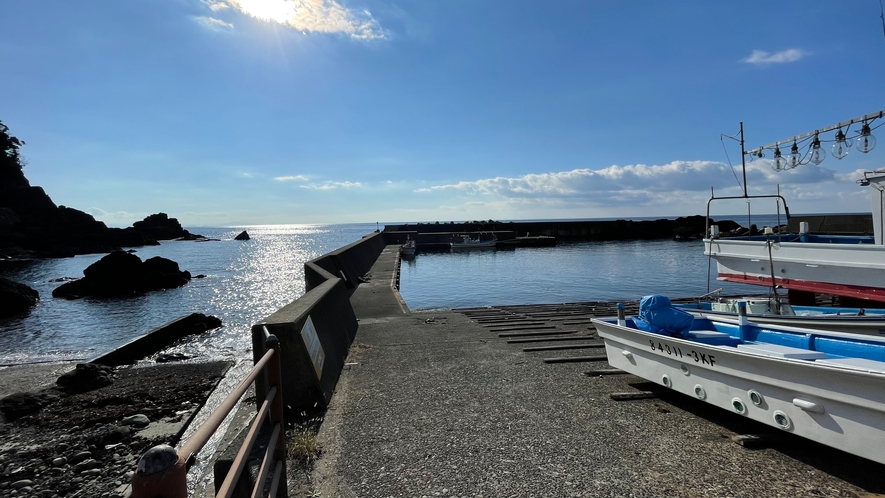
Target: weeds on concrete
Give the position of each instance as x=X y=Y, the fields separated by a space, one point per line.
x=304 y=448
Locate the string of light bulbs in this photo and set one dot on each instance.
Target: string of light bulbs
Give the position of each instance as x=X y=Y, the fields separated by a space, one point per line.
x=807 y=148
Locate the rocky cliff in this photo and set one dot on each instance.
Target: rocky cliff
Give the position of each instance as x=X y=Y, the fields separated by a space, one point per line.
x=32 y=225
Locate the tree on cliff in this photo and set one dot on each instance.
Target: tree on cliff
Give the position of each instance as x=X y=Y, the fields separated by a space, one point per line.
x=11 y=174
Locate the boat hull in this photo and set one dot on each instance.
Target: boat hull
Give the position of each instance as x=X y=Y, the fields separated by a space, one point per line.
x=841 y=407
x=475 y=246
x=851 y=270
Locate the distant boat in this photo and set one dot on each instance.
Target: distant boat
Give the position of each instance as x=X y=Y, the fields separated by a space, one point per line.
x=467 y=243
x=409 y=248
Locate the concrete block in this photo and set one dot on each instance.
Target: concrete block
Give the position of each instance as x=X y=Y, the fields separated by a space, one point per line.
x=328 y=308
x=155 y=340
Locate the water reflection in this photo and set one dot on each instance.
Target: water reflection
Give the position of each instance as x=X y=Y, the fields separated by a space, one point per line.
x=245 y=282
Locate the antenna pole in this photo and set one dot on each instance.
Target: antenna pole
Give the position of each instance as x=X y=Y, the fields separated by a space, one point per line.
x=743 y=159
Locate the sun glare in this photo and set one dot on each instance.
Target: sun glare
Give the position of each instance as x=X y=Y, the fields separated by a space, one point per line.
x=280 y=11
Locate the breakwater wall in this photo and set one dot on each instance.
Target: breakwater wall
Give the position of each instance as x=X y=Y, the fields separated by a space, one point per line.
x=316 y=330
x=834 y=224
x=563 y=230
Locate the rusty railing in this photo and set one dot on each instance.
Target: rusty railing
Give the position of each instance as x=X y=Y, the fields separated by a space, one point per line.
x=162 y=471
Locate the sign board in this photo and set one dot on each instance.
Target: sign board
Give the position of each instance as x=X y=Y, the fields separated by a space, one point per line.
x=313 y=346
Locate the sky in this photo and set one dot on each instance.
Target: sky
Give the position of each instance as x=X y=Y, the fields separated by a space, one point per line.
x=241 y=112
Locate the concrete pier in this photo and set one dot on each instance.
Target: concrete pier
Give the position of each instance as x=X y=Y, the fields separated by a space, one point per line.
x=439 y=404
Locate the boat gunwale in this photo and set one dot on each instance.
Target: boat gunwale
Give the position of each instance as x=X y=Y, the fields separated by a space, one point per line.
x=607 y=321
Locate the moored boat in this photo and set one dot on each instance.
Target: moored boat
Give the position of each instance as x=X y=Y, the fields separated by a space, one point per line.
x=779 y=312
x=465 y=242
x=825 y=386
x=842 y=265
x=409 y=247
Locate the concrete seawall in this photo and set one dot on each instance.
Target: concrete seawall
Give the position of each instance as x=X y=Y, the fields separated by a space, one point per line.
x=317 y=329
x=564 y=230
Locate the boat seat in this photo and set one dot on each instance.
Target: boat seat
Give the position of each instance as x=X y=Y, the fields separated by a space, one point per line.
x=859 y=363
x=779 y=351
x=712 y=338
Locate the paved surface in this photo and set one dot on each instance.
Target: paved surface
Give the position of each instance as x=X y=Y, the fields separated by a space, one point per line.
x=438 y=404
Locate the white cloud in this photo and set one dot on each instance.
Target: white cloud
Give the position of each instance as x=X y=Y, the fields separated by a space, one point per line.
x=633 y=186
x=332 y=185
x=763 y=58
x=216 y=6
x=214 y=24
x=314 y=16
x=292 y=178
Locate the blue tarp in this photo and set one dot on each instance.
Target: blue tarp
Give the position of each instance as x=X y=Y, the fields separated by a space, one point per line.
x=658 y=315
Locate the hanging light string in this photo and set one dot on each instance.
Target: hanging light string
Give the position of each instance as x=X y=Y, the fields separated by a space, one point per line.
x=807 y=147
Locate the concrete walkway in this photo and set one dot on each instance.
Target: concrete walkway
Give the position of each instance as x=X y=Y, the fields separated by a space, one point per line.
x=437 y=404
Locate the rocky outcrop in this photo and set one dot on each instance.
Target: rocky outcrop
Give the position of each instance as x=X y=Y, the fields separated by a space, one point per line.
x=242 y=236
x=161 y=227
x=15 y=297
x=124 y=274
x=31 y=225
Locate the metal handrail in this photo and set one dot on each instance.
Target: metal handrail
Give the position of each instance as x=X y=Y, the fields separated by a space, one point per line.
x=162 y=471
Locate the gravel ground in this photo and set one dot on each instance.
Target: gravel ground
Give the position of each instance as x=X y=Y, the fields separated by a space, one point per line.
x=88 y=444
x=449 y=409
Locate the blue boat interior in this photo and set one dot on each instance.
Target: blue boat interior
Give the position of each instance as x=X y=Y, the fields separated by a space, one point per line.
x=811 y=238
x=716 y=333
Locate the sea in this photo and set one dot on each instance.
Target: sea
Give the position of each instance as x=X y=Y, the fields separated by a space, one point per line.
x=245 y=281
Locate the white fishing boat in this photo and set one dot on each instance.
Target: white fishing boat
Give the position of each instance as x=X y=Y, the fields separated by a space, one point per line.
x=464 y=242
x=409 y=247
x=777 y=311
x=825 y=386
x=850 y=266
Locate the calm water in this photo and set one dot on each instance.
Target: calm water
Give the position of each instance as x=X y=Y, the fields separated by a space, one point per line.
x=569 y=272
x=247 y=281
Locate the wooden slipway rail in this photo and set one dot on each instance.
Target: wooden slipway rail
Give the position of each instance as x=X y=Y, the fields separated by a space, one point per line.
x=565 y=329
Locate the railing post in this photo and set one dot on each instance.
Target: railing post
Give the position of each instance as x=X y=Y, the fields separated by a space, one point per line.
x=274 y=378
x=161 y=474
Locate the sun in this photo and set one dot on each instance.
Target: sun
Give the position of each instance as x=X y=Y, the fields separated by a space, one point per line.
x=280 y=11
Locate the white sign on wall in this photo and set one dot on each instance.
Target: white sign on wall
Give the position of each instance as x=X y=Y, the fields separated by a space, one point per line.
x=313 y=346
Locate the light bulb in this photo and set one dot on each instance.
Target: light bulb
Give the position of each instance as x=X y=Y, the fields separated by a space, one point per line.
x=817 y=154
x=795 y=158
x=780 y=162
x=865 y=142
x=841 y=147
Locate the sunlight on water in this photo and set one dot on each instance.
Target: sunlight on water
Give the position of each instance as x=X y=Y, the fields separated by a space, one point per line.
x=244 y=282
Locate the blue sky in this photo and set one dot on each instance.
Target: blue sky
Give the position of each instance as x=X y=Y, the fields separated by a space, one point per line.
x=223 y=112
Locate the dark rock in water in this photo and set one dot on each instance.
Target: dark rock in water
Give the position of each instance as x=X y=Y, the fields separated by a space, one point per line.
x=16 y=406
x=86 y=377
x=167 y=357
x=122 y=274
x=63 y=279
x=15 y=297
x=161 y=227
x=242 y=236
x=200 y=276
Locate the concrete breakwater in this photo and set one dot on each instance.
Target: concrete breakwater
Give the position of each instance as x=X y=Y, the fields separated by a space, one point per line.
x=428 y=234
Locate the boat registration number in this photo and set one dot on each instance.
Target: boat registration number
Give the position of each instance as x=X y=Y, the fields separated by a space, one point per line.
x=670 y=350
